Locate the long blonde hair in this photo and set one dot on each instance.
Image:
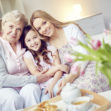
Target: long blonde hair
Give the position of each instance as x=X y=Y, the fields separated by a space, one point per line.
x=44 y=15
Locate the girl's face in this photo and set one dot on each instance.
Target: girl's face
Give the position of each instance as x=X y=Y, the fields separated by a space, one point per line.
x=44 y=27
x=12 y=31
x=33 y=41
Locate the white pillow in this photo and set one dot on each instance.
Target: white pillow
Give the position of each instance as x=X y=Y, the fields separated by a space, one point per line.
x=101 y=36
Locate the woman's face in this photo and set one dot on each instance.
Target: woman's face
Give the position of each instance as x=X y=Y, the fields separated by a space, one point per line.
x=12 y=31
x=44 y=27
x=32 y=41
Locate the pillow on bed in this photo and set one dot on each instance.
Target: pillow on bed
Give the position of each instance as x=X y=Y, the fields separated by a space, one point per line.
x=101 y=36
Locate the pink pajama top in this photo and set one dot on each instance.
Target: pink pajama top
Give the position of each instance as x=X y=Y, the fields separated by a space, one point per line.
x=14 y=61
x=13 y=71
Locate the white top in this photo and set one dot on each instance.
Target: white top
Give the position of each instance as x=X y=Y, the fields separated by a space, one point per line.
x=73 y=36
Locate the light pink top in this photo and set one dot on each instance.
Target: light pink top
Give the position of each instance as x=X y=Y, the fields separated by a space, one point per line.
x=14 y=61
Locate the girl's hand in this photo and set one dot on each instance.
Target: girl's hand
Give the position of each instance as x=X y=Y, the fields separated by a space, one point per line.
x=64 y=68
x=50 y=91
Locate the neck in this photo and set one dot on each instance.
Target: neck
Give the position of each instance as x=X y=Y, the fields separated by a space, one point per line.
x=13 y=45
x=56 y=35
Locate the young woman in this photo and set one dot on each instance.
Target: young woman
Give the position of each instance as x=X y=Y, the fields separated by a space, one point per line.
x=40 y=56
x=65 y=36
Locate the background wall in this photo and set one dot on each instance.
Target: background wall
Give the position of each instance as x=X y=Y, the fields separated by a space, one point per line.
x=63 y=9
x=60 y=9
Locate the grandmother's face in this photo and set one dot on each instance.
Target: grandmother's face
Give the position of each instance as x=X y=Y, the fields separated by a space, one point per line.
x=12 y=31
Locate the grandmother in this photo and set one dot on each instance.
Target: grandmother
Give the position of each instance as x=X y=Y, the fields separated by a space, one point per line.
x=18 y=89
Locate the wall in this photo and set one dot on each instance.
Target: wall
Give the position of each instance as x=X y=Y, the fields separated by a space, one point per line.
x=63 y=9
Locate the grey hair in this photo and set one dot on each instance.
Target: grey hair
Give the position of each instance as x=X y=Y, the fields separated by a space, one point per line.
x=15 y=16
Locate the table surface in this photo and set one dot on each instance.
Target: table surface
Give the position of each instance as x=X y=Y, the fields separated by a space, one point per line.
x=106 y=94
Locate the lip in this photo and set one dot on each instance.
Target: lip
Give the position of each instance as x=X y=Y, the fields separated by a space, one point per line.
x=13 y=36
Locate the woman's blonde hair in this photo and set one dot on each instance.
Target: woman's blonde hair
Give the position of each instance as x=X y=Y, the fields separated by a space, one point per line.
x=15 y=16
x=44 y=15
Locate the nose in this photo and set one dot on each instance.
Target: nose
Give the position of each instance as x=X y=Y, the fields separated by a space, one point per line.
x=32 y=42
x=14 y=31
x=44 y=29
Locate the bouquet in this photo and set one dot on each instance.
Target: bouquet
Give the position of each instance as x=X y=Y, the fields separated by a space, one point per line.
x=97 y=51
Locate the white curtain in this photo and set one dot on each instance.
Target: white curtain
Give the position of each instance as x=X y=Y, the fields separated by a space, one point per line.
x=8 y=5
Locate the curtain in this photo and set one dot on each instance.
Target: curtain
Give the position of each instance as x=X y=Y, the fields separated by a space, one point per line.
x=8 y=5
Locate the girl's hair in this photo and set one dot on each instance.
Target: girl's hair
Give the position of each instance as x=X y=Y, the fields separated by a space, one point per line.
x=43 y=48
x=44 y=15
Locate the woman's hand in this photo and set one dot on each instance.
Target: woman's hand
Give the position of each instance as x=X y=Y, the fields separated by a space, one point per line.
x=42 y=77
x=61 y=85
x=49 y=90
x=69 y=79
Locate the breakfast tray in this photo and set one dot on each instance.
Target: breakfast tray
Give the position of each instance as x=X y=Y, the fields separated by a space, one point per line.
x=98 y=99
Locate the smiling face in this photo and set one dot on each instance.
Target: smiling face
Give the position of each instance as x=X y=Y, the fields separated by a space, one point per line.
x=32 y=41
x=12 y=31
x=44 y=27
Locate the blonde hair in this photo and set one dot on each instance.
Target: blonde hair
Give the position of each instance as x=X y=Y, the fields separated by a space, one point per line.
x=44 y=15
x=15 y=16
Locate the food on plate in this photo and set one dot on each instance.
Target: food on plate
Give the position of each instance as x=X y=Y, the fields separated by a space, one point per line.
x=38 y=109
x=46 y=106
x=51 y=108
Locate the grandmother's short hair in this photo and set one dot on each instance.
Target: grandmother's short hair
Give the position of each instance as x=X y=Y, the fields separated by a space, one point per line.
x=15 y=16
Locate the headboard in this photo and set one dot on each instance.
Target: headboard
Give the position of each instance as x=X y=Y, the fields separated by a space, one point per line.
x=92 y=24
x=0 y=24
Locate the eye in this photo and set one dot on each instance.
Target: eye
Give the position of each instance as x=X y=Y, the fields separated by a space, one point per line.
x=38 y=29
x=28 y=40
x=34 y=37
x=44 y=23
x=19 y=29
x=11 y=26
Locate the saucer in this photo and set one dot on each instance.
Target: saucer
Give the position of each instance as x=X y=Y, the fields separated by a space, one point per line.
x=82 y=103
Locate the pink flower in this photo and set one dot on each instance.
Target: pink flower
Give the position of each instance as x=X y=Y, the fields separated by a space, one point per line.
x=74 y=69
x=68 y=58
x=96 y=44
x=106 y=31
x=74 y=41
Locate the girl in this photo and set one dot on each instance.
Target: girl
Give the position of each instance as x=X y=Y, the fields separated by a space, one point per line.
x=40 y=56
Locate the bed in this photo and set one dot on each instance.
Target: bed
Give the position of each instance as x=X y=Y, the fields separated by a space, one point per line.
x=94 y=25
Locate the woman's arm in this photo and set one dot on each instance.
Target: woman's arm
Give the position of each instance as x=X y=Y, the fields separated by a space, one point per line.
x=57 y=75
x=33 y=69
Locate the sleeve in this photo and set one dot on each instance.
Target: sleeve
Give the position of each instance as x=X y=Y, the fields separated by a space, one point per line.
x=8 y=80
x=28 y=54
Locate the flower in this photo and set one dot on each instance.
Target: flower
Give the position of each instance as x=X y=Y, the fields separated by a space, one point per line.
x=68 y=57
x=96 y=44
x=74 y=68
x=97 y=51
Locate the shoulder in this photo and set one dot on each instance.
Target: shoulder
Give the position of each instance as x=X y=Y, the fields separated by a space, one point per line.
x=1 y=46
x=51 y=48
x=71 y=26
x=28 y=54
